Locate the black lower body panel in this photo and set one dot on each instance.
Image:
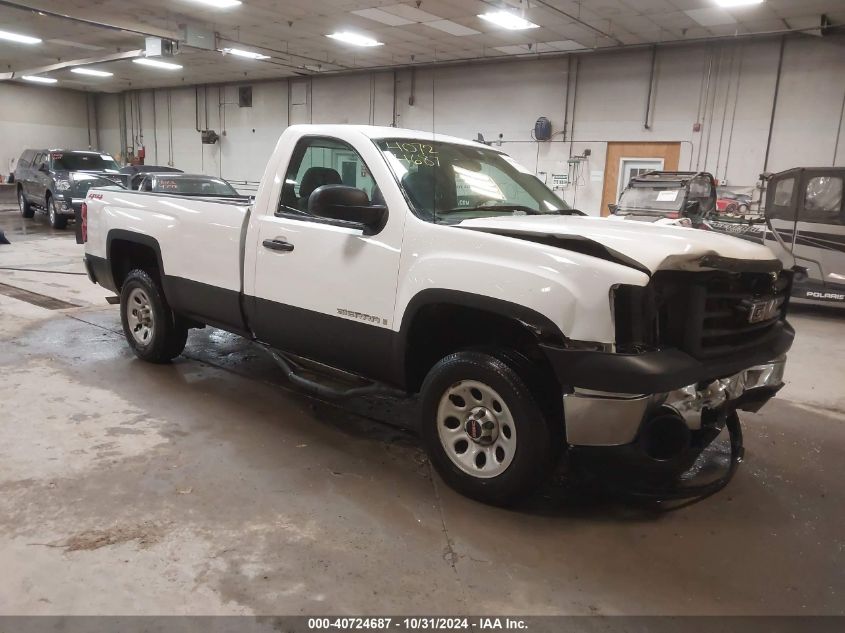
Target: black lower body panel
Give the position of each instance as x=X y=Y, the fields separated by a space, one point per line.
x=219 y=307
x=99 y=271
x=659 y=371
x=360 y=348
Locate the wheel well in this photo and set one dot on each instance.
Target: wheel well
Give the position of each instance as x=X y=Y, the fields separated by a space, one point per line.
x=126 y=256
x=441 y=329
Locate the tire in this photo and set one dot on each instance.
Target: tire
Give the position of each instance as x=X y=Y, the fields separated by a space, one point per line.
x=57 y=221
x=26 y=209
x=731 y=208
x=149 y=325
x=743 y=209
x=518 y=436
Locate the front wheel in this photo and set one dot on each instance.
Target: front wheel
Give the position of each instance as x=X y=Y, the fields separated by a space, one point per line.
x=57 y=221
x=484 y=427
x=150 y=327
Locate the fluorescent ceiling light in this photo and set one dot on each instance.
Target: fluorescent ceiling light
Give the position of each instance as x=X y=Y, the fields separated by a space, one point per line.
x=220 y=4
x=40 y=80
x=237 y=52
x=354 y=38
x=91 y=71
x=508 y=20
x=17 y=37
x=146 y=61
x=738 y=3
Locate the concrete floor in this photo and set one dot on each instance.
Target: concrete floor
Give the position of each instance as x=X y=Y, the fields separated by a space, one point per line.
x=209 y=487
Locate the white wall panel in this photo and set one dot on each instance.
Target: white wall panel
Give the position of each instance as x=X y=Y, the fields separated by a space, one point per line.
x=40 y=117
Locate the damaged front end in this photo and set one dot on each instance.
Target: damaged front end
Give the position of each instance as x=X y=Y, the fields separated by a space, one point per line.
x=692 y=347
x=658 y=436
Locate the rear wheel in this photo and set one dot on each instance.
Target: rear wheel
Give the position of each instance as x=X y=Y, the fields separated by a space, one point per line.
x=26 y=209
x=57 y=221
x=485 y=429
x=151 y=329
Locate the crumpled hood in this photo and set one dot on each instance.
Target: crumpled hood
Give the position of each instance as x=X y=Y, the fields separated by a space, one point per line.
x=653 y=246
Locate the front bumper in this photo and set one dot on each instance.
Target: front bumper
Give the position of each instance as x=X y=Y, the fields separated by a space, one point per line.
x=604 y=418
x=68 y=205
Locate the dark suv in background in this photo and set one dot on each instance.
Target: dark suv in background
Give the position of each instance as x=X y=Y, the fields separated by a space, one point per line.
x=56 y=181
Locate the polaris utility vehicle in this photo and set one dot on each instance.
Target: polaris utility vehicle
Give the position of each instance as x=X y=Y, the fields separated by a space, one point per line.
x=404 y=262
x=56 y=181
x=805 y=213
x=668 y=197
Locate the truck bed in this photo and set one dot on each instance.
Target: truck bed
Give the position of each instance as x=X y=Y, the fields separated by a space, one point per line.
x=199 y=241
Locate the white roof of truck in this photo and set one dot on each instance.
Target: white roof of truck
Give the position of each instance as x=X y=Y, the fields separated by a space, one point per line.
x=377 y=132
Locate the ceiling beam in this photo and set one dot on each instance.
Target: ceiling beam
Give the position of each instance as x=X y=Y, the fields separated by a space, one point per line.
x=113 y=57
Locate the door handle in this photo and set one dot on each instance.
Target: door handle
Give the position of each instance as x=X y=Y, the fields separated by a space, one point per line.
x=277 y=245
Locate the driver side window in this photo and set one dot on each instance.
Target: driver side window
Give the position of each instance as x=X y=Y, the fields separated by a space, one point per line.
x=323 y=161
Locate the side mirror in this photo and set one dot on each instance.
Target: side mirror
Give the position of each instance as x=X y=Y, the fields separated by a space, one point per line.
x=612 y=207
x=347 y=204
x=43 y=168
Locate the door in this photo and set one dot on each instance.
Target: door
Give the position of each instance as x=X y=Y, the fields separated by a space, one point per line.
x=631 y=167
x=819 y=243
x=34 y=183
x=42 y=179
x=781 y=215
x=324 y=290
x=669 y=153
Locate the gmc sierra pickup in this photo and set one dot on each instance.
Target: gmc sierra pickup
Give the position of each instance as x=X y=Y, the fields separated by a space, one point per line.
x=425 y=264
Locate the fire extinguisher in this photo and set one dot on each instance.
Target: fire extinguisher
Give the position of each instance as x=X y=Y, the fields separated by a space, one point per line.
x=142 y=153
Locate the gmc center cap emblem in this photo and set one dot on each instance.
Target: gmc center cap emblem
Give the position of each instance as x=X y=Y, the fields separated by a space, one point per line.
x=481 y=426
x=474 y=429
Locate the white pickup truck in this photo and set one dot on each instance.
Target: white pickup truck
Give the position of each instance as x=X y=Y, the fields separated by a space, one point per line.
x=425 y=264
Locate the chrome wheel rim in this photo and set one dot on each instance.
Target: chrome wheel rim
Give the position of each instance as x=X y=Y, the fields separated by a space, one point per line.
x=476 y=429
x=139 y=317
x=52 y=213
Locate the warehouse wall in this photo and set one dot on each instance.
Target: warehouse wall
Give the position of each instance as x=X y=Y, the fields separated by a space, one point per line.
x=727 y=87
x=35 y=117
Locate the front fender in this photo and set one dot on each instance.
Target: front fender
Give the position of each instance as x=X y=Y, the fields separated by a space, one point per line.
x=570 y=290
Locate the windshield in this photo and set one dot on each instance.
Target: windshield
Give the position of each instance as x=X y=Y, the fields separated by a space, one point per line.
x=655 y=199
x=190 y=186
x=448 y=182
x=73 y=161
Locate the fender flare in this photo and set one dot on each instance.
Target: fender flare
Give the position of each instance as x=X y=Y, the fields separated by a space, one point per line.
x=543 y=328
x=135 y=238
